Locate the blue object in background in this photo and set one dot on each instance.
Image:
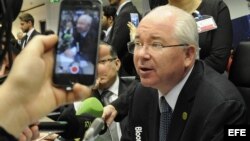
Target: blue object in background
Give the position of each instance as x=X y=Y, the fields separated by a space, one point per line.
x=241 y=30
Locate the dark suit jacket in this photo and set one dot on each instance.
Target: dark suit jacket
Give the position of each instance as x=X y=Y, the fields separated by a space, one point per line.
x=87 y=44
x=123 y=87
x=33 y=34
x=207 y=102
x=215 y=45
x=119 y=37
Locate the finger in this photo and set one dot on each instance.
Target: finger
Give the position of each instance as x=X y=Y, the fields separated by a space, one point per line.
x=79 y=92
x=130 y=23
x=39 y=44
x=82 y=91
x=109 y=114
x=27 y=133
x=97 y=83
x=35 y=132
x=22 y=137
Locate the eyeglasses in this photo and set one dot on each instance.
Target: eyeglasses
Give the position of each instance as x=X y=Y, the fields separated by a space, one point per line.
x=104 y=61
x=132 y=46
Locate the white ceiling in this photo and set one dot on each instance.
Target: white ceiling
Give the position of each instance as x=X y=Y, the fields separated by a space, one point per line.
x=27 y=4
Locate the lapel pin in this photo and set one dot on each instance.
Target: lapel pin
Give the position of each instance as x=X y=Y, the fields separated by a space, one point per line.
x=184 y=115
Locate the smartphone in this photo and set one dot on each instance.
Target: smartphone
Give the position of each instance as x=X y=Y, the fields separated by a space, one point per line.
x=77 y=48
x=134 y=17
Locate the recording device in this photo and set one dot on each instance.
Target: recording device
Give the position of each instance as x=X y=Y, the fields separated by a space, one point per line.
x=74 y=125
x=96 y=127
x=79 y=33
x=92 y=106
x=134 y=17
x=70 y=127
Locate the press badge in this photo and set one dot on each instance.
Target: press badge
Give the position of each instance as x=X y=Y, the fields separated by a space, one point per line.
x=205 y=22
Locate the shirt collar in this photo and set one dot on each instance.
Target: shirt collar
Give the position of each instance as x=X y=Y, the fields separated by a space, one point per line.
x=83 y=34
x=113 y=88
x=29 y=33
x=108 y=30
x=121 y=6
x=172 y=96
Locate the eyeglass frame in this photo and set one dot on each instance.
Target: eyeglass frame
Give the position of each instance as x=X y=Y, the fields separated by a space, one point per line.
x=129 y=44
x=106 y=60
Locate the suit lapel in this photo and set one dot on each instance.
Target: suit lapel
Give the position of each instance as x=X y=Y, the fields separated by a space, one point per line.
x=123 y=9
x=184 y=103
x=97 y=95
x=31 y=36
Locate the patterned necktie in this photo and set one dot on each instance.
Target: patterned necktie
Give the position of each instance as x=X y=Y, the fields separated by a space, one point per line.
x=165 y=119
x=105 y=96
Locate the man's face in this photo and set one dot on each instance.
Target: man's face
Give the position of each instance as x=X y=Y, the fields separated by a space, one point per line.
x=82 y=25
x=25 y=26
x=160 y=68
x=69 y=25
x=104 y=22
x=107 y=70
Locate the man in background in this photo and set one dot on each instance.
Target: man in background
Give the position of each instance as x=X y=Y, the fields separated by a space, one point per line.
x=119 y=36
x=109 y=87
x=109 y=13
x=84 y=40
x=27 y=26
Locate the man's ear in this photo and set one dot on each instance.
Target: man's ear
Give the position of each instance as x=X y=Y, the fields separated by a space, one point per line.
x=117 y=64
x=110 y=19
x=190 y=54
x=30 y=23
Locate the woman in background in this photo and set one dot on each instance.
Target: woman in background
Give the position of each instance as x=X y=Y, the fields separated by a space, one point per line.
x=215 y=44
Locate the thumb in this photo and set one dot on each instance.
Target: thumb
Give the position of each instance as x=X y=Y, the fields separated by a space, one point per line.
x=40 y=44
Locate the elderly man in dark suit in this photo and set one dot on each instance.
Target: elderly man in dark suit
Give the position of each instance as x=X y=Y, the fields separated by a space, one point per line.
x=27 y=26
x=185 y=100
x=119 y=36
x=85 y=37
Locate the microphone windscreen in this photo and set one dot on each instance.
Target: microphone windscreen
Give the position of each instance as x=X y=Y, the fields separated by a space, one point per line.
x=91 y=106
x=96 y=127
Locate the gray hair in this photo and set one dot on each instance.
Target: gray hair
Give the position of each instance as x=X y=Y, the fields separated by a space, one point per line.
x=87 y=18
x=185 y=28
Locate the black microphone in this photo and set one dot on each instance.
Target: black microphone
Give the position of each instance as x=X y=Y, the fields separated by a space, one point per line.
x=73 y=125
x=69 y=128
x=96 y=127
x=57 y=126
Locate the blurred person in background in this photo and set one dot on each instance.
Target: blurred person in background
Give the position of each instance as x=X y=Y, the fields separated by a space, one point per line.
x=27 y=26
x=215 y=42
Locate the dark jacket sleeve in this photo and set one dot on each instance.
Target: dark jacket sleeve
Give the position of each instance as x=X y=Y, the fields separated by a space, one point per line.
x=121 y=104
x=4 y=136
x=228 y=113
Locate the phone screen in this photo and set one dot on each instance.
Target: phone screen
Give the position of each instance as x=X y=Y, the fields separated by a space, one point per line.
x=134 y=17
x=76 y=52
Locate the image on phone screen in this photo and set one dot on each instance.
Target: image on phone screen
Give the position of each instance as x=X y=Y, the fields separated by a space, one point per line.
x=134 y=17
x=78 y=38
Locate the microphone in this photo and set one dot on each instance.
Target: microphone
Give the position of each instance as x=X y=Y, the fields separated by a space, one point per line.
x=96 y=127
x=73 y=125
x=91 y=106
x=57 y=126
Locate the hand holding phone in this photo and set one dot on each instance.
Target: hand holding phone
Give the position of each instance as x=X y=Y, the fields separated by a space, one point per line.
x=77 y=49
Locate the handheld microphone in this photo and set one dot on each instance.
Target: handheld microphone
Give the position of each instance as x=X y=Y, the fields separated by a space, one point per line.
x=92 y=106
x=73 y=125
x=96 y=127
x=57 y=126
